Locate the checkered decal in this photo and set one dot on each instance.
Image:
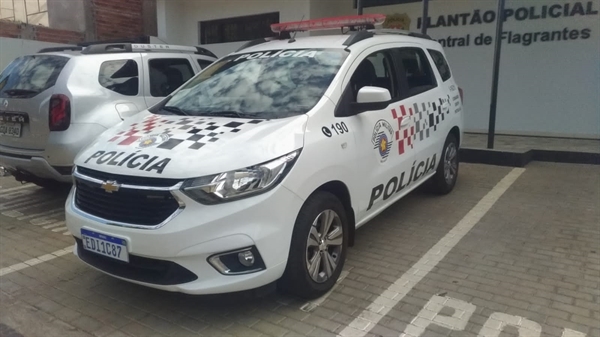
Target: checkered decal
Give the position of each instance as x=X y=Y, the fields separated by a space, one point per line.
x=404 y=137
x=200 y=131
x=426 y=117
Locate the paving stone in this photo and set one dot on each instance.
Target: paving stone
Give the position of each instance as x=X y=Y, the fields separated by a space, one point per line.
x=529 y=256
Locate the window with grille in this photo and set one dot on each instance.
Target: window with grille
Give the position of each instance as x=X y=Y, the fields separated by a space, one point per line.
x=241 y=28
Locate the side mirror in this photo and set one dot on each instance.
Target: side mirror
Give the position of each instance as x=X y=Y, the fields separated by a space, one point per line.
x=373 y=95
x=368 y=99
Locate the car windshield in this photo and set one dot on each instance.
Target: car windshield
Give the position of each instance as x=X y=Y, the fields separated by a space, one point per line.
x=266 y=85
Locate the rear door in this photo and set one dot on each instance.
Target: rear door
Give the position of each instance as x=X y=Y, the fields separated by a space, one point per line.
x=426 y=102
x=164 y=74
x=26 y=86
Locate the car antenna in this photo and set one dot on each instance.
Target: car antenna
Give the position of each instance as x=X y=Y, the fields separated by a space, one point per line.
x=293 y=38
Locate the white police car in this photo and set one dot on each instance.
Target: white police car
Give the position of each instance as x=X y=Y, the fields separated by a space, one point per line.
x=261 y=167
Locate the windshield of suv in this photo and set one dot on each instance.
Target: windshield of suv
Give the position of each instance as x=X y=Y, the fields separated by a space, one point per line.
x=266 y=85
x=27 y=76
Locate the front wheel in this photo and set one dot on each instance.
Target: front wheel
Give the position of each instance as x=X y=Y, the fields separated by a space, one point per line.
x=318 y=247
x=447 y=171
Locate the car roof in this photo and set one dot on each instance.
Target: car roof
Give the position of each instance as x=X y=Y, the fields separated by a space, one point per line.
x=354 y=40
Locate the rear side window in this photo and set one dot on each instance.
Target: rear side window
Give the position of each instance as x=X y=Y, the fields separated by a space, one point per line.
x=419 y=75
x=27 y=76
x=441 y=64
x=203 y=63
x=120 y=76
x=166 y=75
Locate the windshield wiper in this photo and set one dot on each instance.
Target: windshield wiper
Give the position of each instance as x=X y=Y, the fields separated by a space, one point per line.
x=175 y=110
x=21 y=92
x=228 y=113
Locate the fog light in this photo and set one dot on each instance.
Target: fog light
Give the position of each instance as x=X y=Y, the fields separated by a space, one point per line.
x=241 y=261
x=246 y=258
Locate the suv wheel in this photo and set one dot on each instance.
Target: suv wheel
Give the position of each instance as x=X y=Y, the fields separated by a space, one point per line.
x=447 y=171
x=318 y=247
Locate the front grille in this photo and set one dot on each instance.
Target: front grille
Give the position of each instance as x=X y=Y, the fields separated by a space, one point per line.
x=131 y=206
x=129 y=180
x=139 y=268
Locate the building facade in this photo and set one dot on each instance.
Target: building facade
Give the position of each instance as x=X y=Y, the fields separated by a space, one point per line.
x=550 y=62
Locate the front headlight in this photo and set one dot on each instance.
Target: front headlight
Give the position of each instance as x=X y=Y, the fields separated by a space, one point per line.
x=234 y=185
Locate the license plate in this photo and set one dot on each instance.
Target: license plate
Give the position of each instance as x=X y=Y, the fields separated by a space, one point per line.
x=106 y=245
x=10 y=129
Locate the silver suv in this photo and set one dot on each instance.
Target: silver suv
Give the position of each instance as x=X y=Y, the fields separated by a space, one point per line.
x=55 y=102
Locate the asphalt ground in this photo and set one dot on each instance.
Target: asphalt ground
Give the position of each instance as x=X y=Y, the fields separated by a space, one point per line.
x=510 y=252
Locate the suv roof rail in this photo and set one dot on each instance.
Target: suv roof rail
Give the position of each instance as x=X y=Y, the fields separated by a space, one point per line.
x=140 y=39
x=204 y=51
x=252 y=43
x=106 y=48
x=401 y=32
x=360 y=35
x=280 y=36
x=58 y=49
x=357 y=36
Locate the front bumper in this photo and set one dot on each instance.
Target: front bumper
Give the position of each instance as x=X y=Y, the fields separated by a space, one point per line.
x=174 y=256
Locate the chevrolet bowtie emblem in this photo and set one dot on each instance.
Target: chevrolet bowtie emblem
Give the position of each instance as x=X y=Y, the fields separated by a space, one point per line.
x=110 y=186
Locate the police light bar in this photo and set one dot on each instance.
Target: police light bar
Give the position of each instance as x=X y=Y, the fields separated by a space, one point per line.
x=328 y=23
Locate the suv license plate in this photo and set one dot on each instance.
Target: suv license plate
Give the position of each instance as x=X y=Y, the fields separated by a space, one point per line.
x=10 y=129
x=106 y=245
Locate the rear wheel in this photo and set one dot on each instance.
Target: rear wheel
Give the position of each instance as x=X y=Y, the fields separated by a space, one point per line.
x=318 y=247
x=447 y=171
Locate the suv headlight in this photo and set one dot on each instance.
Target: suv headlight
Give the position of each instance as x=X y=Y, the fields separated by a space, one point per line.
x=242 y=183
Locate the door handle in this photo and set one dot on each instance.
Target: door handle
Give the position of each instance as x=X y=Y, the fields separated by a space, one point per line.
x=404 y=122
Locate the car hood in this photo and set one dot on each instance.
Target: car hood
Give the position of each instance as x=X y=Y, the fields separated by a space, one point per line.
x=184 y=147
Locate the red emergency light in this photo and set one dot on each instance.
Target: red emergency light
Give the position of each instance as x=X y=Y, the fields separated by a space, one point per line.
x=328 y=23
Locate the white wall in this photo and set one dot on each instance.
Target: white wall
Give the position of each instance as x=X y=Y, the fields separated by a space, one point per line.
x=183 y=16
x=10 y=49
x=546 y=88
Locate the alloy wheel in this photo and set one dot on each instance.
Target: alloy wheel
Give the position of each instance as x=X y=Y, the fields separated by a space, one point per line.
x=450 y=163
x=324 y=246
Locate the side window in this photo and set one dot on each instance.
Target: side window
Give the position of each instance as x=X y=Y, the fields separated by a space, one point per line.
x=120 y=76
x=166 y=75
x=377 y=71
x=417 y=69
x=441 y=64
x=203 y=63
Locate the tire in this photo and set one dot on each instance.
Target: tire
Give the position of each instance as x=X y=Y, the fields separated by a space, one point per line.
x=297 y=279
x=441 y=183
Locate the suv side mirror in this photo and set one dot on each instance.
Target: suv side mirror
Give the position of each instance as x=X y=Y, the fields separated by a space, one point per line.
x=370 y=98
x=373 y=95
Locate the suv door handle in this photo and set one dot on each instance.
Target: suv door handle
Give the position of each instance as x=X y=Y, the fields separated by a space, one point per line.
x=404 y=122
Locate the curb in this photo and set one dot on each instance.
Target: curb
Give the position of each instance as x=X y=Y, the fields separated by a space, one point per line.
x=521 y=159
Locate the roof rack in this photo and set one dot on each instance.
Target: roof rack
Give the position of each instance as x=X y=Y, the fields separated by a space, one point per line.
x=365 y=34
x=400 y=32
x=204 y=51
x=59 y=49
x=139 y=39
x=253 y=43
x=143 y=47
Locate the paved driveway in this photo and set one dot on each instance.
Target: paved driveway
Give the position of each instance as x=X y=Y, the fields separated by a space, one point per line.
x=510 y=252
